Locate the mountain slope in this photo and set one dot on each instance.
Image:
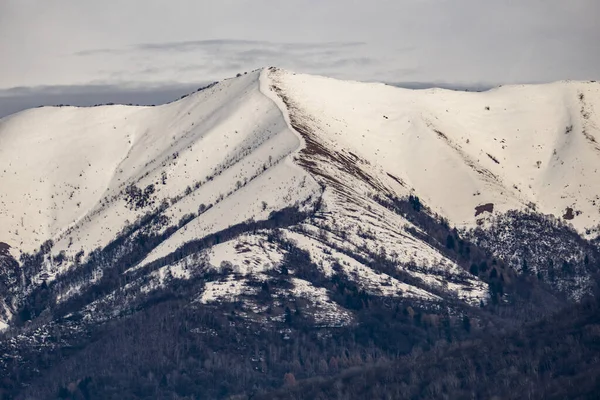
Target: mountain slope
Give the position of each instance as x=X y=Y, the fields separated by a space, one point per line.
x=239 y=150
x=355 y=219
x=71 y=184
x=509 y=147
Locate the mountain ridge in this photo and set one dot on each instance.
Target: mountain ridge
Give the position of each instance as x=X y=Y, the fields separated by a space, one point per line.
x=285 y=220
x=290 y=150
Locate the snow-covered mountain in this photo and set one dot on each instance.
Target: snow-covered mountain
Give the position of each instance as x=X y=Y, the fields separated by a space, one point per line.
x=232 y=177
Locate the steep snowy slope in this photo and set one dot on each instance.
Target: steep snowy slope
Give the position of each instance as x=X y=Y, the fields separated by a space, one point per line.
x=510 y=147
x=218 y=163
x=79 y=175
x=367 y=227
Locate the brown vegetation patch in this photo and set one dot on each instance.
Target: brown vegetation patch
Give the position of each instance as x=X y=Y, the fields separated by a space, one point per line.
x=441 y=134
x=586 y=112
x=494 y=159
x=314 y=152
x=400 y=181
x=471 y=163
x=569 y=215
x=241 y=248
x=354 y=155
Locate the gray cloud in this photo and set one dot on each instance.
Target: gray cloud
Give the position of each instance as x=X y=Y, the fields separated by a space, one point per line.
x=217 y=45
x=226 y=57
x=463 y=42
x=21 y=98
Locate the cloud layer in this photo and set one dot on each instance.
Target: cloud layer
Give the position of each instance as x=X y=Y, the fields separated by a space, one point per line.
x=153 y=42
x=22 y=98
x=188 y=61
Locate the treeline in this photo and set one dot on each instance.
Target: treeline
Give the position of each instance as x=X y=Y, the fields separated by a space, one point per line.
x=542 y=248
x=130 y=247
x=513 y=295
x=170 y=346
x=556 y=358
x=165 y=344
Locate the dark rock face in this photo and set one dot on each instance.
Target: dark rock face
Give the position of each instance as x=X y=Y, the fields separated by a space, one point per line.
x=489 y=207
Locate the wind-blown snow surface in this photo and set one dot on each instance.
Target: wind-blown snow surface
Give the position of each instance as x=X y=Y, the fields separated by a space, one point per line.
x=271 y=139
x=65 y=169
x=509 y=146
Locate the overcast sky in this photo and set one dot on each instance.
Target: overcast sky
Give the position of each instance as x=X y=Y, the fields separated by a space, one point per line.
x=133 y=46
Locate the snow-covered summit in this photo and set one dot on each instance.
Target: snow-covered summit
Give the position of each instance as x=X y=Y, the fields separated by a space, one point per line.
x=66 y=171
x=271 y=139
x=512 y=146
x=64 y=168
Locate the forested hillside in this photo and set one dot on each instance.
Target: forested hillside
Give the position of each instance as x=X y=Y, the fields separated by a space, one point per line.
x=555 y=358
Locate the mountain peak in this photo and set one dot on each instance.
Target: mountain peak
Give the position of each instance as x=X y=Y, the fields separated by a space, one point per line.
x=244 y=150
